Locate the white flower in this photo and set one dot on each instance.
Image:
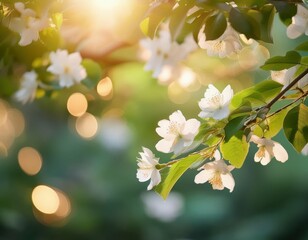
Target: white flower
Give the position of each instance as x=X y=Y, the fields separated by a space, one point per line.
x=216 y=173
x=178 y=134
x=268 y=149
x=163 y=210
x=286 y=76
x=183 y=75
x=229 y=42
x=28 y=87
x=216 y=104
x=147 y=169
x=28 y=25
x=299 y=23
x=162 y=51
x=67 y=67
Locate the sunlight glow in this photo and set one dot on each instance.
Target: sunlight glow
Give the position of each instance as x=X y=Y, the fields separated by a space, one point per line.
x=77 y=104
x=30 y=161
x=45 y=199
x=86 y=125
x=104 y=88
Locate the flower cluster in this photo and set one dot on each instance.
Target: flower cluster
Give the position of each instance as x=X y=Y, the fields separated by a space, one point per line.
x=28 y=24
x=179 y=136
x=66 y=68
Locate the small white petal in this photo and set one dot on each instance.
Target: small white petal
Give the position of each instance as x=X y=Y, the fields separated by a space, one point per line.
x=228 y=181
x=155 y=179
x=279 y=152
x=266 y=159
x=143 y=175
x=204 y=176
x=164 y=146
x=217 y=155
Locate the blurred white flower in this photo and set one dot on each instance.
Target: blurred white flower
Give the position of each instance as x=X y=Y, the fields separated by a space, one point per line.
x=67 y=67
x=164 y=210
x=147 y=168
x=28 y=87
x=183 y=75
x=299 y=23
x=229 y=42
x=286 y=76
x=162 y=51
x=268 y=149
x=28 y=25
x=114 y=133
x=177 y=133
x=216 y=104
x=216 y=173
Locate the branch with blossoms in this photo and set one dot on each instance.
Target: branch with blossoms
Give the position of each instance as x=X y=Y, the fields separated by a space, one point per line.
x=219 y=141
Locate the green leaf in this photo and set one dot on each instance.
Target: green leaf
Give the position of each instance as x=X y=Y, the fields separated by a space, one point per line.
x=302 y=47
x=295 y=127
x=94 y=73
x=150 y=24
x=268 y=13
x=178 y=19
x=215 y=26
x=256 y=95
x=171 y=175
x=286 y=10
x=278 y=63
x=243 y=23
x=234 y=126
x=274 y=125
x=236 y=149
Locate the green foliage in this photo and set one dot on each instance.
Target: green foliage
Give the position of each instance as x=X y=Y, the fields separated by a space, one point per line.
x=278 y=63
x=286 y=10
x=244 y=23
x=234 y=126
x=235 y=149
x=257 y=94
x=302 y=47
x=296 y=127
x=215 y=26
x=171 y=175
x=94 y=73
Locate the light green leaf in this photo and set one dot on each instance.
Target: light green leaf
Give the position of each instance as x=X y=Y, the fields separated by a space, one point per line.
x=295 y=126
x=278 y=63
x=236 y=149
x=256 y=95
x=57 y=19
x=171 y=175
x=302 y=47
x=274 y=125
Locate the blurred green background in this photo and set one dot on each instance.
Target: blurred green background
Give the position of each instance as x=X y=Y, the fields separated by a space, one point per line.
x=97 y=176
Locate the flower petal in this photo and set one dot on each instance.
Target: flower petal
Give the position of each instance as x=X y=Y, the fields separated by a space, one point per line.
x=279 y=152
x=266 y=159
x=228 y=181
x=144 y=175
x=155 y=179
x=164 y=146
x=204 y=176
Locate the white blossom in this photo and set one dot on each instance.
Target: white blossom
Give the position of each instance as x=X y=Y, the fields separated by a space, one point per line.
x=147 y=168
x=299 y=23
x=67 y=67
x=268 y=149
x=162 y=51
x=28 y=87
x=217 y=173
x=28 y=25
x=177 y=133
x=229 y=42
x=216 y=104
x=286 y=76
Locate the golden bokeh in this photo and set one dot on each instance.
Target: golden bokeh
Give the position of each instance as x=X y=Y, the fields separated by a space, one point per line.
x=45 y=199
x=86 y=125
x=105 y=88
x=77 y=104
x=30 y=160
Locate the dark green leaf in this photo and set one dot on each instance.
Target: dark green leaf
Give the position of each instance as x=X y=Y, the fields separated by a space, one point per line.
x=243 y=23
x=302 y=47
x=268 y=13
x=295 y=127
x=215 y=26
x=171 y=175
x=278 y=63
x=286 y=10
x=234 y=126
